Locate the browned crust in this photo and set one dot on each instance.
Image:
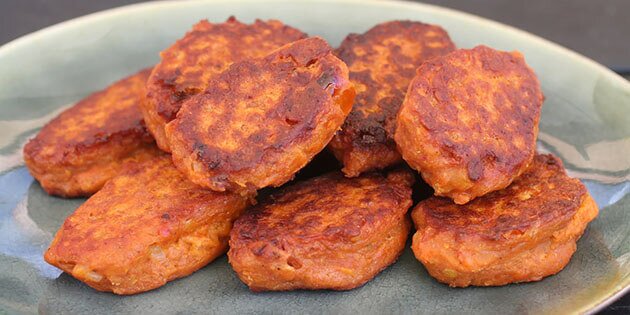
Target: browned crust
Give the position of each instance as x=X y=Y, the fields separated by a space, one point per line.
x=469 y=121
x=328 y=232
x=522 y=233
x=147 y=226
x=204 y=52
x=382 y=62
x=262 y=120
x=78 y=151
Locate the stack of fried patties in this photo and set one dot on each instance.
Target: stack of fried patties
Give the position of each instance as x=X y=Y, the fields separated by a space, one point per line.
x=238 y=109
x=506 y=214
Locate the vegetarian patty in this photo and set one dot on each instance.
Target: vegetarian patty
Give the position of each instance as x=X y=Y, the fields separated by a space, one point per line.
x=262 y=120
x=78 y=151
x=469 y=121
x=328 y=232
x=522 y=233
x=147 y=226
x=208 y=49
x=382 y=62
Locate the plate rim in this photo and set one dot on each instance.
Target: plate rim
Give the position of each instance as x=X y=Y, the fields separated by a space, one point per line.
x=619 y=82
x=130 y=8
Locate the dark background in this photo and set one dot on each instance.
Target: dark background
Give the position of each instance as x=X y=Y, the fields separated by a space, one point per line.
x=599 y=29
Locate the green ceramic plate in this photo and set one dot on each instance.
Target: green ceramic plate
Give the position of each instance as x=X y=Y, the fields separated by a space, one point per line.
x=585 y=121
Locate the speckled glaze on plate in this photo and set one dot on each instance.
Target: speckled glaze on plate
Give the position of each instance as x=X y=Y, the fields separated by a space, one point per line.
x=585 y=121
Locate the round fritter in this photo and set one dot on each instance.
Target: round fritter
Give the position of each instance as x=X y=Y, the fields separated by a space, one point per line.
x=469 y=121
x=262 y=120
x=522 y=233
x=382 y=62
x=205 y=51
x=329 y=232
x=78 y=151
x=147 y=226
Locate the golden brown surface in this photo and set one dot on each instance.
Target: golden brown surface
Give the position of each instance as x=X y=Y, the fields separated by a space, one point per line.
x=328 y=232
x=469 y=121
x=382 y=62
x=207 y=50
x=147 y=226
x=262 y=120
x=522 y=233
x=77 y=152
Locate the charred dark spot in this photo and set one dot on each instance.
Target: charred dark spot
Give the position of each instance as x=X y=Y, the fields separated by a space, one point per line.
x=210 y=157
x=326 y=80
x=169 y=80
x=260 y=250
x=294 y=262
x=291 y=121
x=311 y=62
x=200 y=148
x=475 y=169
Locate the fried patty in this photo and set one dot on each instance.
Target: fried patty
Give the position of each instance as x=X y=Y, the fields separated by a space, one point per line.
x=522 y=233
x=208 y=49
x=147 y=226
x=329 y=232
x=469 y=121
x=78 y=151
x=382 y=62
x=262 y=120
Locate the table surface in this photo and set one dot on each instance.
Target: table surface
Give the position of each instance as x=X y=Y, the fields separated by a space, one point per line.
x=596 y=29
